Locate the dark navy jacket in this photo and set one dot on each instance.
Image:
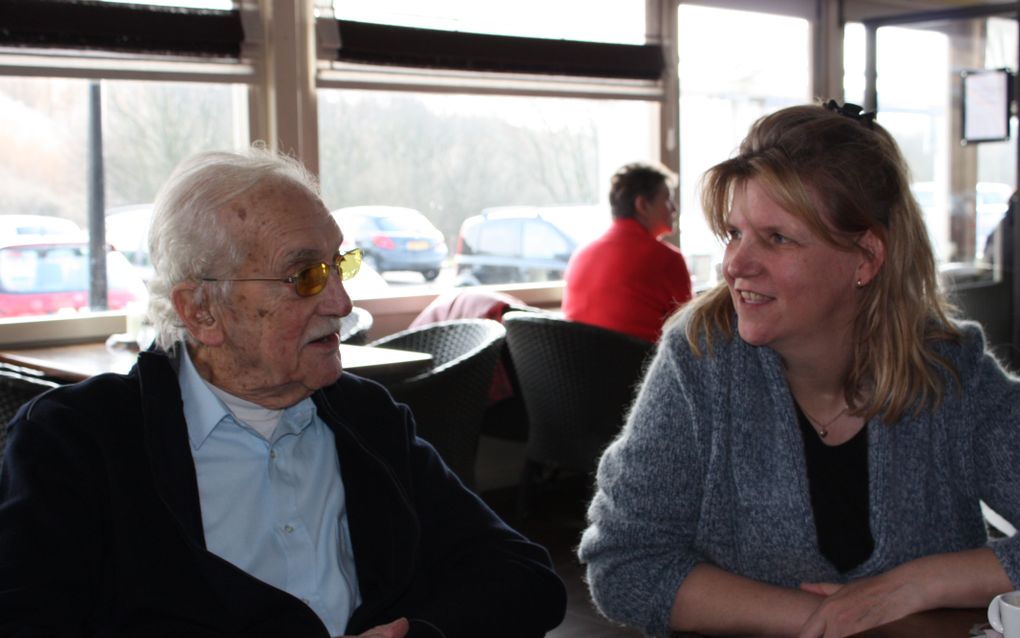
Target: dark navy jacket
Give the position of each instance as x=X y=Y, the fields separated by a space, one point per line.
x=101 y=528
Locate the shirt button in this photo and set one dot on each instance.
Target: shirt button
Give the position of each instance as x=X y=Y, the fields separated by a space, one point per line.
x=288 y=528
x=272 y=454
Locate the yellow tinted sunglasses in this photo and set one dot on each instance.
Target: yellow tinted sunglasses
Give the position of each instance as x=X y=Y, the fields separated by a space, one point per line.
x=312 y=280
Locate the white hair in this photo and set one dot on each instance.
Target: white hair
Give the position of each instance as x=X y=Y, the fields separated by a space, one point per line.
x=187 y=240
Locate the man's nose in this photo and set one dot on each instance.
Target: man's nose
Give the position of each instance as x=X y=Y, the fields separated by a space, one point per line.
x=335 y=300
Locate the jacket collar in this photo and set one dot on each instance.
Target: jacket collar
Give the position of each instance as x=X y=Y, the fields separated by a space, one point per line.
x=166 y=441
x=385 y=531
x=384 y=528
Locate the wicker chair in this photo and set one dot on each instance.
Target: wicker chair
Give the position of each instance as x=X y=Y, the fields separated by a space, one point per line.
x=449 y=399
x=577 y=381
x=355 y=326
x=17 y=387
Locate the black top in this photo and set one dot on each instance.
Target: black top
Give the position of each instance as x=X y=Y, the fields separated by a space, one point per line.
x=838 y=479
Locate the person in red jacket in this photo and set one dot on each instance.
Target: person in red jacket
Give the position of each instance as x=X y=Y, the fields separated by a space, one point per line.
x=629 y=280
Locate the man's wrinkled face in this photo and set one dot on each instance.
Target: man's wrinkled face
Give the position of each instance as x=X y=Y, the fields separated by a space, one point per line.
x=279 y=347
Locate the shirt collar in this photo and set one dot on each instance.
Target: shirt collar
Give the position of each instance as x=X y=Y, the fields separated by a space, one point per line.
x=203 y=410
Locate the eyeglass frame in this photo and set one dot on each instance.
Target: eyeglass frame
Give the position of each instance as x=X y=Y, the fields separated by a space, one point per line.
x=295 y=278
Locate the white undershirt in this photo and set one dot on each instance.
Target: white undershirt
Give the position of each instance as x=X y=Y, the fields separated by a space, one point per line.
x=262 y=420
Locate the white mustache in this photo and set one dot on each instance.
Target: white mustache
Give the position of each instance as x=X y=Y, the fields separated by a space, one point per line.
x=325 y=331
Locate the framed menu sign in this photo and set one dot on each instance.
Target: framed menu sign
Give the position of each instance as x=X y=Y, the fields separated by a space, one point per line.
x=987 y=95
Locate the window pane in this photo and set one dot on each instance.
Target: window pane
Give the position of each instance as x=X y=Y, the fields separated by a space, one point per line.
x=454 y=156
x=722 y=92
x=147 y=128
x=619 y=21
x=962 y=189
x=853 y=63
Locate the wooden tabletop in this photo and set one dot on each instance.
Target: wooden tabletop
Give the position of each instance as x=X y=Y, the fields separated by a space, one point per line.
x=934 y=623
x=80 y=361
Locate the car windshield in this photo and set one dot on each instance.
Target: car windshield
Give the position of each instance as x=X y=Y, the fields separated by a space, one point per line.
x=405 y=222
x=58 y=268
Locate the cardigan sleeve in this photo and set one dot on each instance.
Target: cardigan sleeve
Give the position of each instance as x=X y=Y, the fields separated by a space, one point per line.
x=639 y=546
x=991 y=399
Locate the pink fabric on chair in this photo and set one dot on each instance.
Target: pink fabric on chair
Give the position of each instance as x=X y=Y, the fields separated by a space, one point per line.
x=474 y=304
x=467 y=304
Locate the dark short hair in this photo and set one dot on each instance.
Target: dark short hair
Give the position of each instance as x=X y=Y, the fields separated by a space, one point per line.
x=632 y=180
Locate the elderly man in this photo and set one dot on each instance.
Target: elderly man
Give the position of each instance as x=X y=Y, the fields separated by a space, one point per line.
x=234 y=483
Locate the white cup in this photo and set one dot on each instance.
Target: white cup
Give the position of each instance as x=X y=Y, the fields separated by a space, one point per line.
x=1004 y=614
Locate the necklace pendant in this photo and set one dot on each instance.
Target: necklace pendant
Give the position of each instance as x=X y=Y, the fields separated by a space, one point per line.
x=823 y=433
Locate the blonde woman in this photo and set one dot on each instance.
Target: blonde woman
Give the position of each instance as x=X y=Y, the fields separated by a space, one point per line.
x=808 y=451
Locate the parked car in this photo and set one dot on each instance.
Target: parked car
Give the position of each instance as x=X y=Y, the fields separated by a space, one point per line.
x=16 y=225
x=46 y=275
x=394 y=238
x=511 y=244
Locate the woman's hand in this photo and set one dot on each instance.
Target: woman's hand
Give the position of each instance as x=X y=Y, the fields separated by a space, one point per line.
x=863 y=604
x=396 y=629
x=969 y=578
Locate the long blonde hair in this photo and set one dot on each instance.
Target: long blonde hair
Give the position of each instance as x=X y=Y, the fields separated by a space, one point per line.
x=843 y=175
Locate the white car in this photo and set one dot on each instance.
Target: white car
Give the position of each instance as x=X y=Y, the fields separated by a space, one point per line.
x=16 y=225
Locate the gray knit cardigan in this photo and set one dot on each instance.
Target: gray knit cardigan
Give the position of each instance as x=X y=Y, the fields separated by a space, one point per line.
x=710 y=468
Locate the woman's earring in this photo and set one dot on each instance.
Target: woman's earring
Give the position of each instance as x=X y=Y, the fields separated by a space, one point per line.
x=860 y=284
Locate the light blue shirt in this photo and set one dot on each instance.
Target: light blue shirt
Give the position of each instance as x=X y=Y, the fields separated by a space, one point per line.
x=274 y=508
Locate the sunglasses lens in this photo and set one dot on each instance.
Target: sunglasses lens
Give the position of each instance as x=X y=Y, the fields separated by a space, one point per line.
x=312 y=280
x=349 y=263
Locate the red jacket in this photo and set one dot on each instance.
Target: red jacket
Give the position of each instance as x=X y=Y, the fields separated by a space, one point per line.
x=626 y=280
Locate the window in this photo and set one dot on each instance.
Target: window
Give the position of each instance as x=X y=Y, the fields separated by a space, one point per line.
x=963 y=189
x=723 y=90
x=139 y=101
x=147 y=127
x=453 y=156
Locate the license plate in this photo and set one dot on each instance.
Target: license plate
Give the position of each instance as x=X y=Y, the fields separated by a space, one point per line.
x=417 y=245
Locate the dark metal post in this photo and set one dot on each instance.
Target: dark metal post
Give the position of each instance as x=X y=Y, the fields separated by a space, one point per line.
x=96 y=201
x=870 y=67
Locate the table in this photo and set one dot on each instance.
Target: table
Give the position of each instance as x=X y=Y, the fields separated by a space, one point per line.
x=80 y=361
x=934 y=623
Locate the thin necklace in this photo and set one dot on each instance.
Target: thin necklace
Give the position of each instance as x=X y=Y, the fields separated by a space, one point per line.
x=823 y=429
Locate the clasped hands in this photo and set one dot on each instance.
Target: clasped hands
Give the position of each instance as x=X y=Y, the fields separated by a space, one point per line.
x=846 y=609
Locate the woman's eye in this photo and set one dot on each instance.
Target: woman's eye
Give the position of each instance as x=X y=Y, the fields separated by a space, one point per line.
x=732 y=234
x=780 y=239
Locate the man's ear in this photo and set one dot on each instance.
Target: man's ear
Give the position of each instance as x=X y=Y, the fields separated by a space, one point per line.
x=193 y=309
x=642 y=209
x=873 y=256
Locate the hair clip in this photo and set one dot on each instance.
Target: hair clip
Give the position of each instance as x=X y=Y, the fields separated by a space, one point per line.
x=853 y=112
